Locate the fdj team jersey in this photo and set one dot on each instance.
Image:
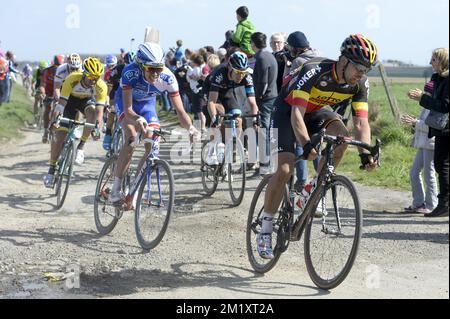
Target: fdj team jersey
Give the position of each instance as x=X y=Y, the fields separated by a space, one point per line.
x=315 y=85
x=133 y=78
x=231 y=94
x=144 y=93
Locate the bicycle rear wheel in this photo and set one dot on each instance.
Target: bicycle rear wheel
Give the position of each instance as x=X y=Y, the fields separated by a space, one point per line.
x=154 y=204
x=65 y=174
x=105 y=214
x=210 y=180
x=236 y=172
x=332 y=241
x=254 y=223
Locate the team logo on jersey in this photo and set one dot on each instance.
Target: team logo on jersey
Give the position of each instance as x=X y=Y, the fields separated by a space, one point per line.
x=167 y=78
x=306 y=77
x=131 y=74
x=367 y=84
x=219 y=78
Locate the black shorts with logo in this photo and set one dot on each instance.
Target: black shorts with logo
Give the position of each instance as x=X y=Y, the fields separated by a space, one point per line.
x=281 y=120
x=74 y=105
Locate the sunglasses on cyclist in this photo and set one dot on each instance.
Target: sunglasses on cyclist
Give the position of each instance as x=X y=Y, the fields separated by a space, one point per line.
x=92 y=77
x=239 y=72
x=361 y=68
x=153 y=68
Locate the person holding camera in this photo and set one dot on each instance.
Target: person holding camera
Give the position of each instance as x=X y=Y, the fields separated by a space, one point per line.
x=297 y=51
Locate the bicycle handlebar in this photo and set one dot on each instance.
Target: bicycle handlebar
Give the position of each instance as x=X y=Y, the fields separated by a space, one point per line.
x=157 y=131
x=229 y=117
x=375 y=150
x=64 y=120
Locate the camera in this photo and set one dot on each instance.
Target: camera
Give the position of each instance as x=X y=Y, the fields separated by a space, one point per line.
x=279 y=56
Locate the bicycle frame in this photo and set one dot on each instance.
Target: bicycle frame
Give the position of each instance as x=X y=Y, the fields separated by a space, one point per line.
x=146 y=171
x=324 y=176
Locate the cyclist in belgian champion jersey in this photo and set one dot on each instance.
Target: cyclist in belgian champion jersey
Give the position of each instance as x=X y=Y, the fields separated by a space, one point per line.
x=298 y=113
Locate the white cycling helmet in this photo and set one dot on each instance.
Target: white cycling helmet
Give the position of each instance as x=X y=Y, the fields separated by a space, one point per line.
x=150 y=54
x=74 y=61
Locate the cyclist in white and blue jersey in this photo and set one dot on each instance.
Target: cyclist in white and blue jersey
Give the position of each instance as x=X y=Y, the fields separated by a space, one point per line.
x=135 y=100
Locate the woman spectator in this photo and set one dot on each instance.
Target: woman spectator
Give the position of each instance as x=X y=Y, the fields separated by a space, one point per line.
x=423 y=202
x=438 y=102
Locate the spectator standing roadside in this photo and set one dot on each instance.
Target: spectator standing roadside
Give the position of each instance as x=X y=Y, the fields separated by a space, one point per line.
x=3 y=85
x=298 y=52
x=277 y=41
x=265 y=83
x=423 y=202
x=438 y=102
x=179 y=52
x=11 y=58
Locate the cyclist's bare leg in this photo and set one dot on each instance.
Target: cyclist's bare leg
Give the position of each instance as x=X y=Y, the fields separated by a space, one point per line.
x=126 y=153
x=336 y=128
x=111 y=118
x=57 y=145
x=47 y=112
x=148 y=149
x=78 y=116
x=89 y=112
x=275 y=188
x=37 y=102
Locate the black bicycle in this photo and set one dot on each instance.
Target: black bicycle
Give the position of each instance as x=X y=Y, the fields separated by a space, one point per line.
x=331 y=219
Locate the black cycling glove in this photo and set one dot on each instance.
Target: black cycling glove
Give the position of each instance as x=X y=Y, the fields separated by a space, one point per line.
x=307 y=148
x=365 y=159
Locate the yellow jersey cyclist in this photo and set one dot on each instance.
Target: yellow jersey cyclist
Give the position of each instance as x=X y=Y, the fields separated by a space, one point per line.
x=298 y=113
x=84 y=92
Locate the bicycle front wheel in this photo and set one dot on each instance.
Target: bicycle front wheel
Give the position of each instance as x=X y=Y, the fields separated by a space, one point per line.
x=210 y=180
x=333 y=233
x=154 y=205
x=254 y=225
x=65 y=174
x=105 y=214
x=236 y=169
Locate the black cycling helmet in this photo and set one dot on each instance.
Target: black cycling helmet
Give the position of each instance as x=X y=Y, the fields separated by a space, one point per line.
x=129 y=57
x=239 y=61
x=360 y=50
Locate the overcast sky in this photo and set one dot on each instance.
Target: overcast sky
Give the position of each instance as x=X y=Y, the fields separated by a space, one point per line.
x=406 y=30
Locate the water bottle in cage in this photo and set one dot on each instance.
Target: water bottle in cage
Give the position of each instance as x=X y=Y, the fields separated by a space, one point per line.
x=305 y=194
x=220 y=152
